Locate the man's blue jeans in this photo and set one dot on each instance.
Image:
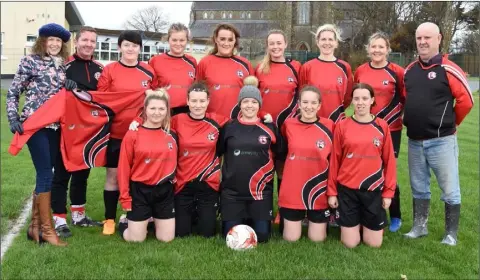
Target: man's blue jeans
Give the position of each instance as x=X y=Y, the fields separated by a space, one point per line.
x=441 y=155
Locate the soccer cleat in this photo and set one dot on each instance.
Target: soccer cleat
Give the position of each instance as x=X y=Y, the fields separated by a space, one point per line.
x=452 y=218
x=108 y=227
x=87 y=222
x=63 y=231
x=395 y=224
x=421 y=207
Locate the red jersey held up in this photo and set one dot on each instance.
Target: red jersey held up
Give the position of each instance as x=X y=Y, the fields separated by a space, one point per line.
x=334 y=79
x=305 y=175
x=387 y=83
x=279 y=89
x=117 y=76
x=224 y=77
x=147 y=156
x=85 y=119
x=175 y=74
x=362 y=158
x=197 y=157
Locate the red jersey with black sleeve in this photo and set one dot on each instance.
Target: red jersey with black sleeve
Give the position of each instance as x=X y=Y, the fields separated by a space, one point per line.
x=305 y=174
x=334 y=79
x=117 y=76
x=279 y=89
x=248 y=151
x=85 y=119
x=197 y=142
x=224 y=77
x=147 y=156
x=362 y=157
x=175 y=74
x=387 y=83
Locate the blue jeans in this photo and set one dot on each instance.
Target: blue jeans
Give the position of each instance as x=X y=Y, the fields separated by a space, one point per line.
x=44 y=146
x=441 y=155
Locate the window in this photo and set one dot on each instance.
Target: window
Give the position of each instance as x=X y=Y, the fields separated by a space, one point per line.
x=229 y=15
x=113 y=46
x=105 y=56
x=249 y=15
x=31 y=38
x=242 y=15
x=211 y=15
x=97 y=46
x=224 y=15
x=105 y=46
x=261 y=15
x=146 y=49
x=146 y=57
x=1 y=44
x=303 y=12
x=96 y=55
x=114 y=56
x=205 y=15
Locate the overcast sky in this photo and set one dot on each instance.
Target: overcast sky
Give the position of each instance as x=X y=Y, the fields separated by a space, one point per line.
x=112 y=15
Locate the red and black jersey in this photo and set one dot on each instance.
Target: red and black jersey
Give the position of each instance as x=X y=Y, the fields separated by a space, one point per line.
x=387 y=83
x=438 y=98
x=147 y=156
x=175 y=74
x=305 y=174
x=85 y=72
x=197 y=141
x=279 y=89
x=248 y=155
x=117 y=76
x=334 y=79
x=85 y=119
x=224 y=77
x=362 y=157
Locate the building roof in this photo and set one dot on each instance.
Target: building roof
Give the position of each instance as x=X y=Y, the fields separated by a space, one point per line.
x=230 y=6
x=250 y=29
x=146 y=35
x=72 y=15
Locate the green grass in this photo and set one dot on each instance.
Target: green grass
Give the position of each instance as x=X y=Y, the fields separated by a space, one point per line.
x=91 y=255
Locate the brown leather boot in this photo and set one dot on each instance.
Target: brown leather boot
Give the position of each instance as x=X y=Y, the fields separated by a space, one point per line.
x=47 y=230
x=34 y=227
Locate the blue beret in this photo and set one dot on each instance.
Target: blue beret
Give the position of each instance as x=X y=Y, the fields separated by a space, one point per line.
x=54 y=30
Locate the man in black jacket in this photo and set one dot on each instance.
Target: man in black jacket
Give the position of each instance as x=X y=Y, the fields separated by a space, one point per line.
x=82 y=73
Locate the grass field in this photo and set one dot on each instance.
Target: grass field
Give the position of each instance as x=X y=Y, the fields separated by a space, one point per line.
x=91 y=255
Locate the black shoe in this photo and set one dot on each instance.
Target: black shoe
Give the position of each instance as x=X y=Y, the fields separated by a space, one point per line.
x=63 y=231
x=87 y=222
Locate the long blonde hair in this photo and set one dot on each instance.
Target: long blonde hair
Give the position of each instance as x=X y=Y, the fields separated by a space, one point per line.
x=266 y=61
x=158 y=94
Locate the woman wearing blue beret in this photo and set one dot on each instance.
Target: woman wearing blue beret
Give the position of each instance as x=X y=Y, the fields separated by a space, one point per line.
x=40 y=75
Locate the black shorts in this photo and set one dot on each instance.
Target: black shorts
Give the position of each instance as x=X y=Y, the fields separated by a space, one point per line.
x=233 y=209
x=113 y=152
x=151 y=201
x=314 y=216
x=360 y=207
x=396 y=139
x=179 y=110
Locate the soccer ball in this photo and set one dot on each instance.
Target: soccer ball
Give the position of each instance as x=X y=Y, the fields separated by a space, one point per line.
x=241 y=237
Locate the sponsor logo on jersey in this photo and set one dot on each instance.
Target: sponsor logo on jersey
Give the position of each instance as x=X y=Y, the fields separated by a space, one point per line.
x=320 y=144
x=292 y=157
x=432 y=75
x=72 y=126
x=236 y=153
x=385 y=83
x=327 y=213
x=167 y=87
x=97 y=75
x=266 y=91
x=211 y=136
x=68 y=66
x=240 y=73
x=185 y=152
x=376 y=142
x=216 y=87
x=290 y=79
x=147 y=160
x=337 y=214
x=173 y=210
x=170 y=145
x=349 y=155
x=144 y=84
x=94 y=113
x=262 y=139
x=340 y=80
x=190 y=74
x=271 y=213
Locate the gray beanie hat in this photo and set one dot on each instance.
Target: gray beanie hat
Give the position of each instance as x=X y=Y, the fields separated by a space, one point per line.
x=250 y=90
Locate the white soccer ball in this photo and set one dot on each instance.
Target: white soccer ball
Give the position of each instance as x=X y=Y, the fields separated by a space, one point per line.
x=241 y=237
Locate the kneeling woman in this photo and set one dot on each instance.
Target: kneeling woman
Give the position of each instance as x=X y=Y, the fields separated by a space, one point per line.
x=248 y=146
x=362 y=177
x=146 y=172
x=304 y=184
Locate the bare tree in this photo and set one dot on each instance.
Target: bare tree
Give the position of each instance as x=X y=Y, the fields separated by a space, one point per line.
x=152 y=19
